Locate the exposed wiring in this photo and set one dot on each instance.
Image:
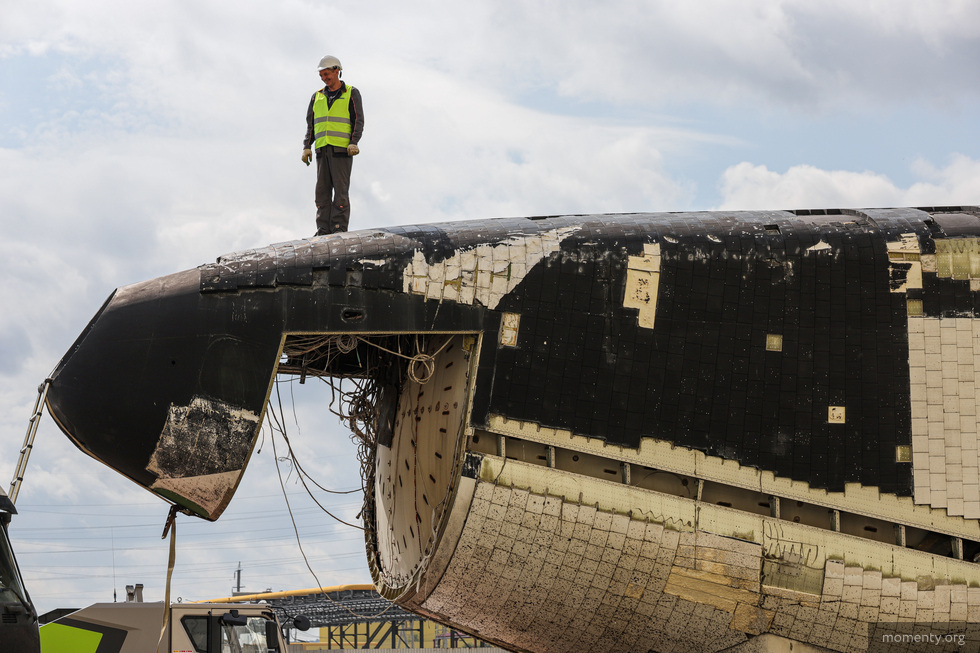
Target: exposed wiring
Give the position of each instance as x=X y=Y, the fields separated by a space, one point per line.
x=301 y=475
x=292 y=518
x=365 y=375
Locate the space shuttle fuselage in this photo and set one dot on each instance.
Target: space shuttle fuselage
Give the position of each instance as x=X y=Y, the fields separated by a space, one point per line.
x=679 y=431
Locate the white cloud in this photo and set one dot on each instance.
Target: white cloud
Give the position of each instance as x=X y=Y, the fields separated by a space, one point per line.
x=956 y=183
x=749 y=186
x=810 y=56
x=466 y=152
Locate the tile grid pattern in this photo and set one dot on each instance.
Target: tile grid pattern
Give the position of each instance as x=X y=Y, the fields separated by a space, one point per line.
x=853 y=597
x=549 y=575
x=545 y=574
x=484 y=274
x=944 y=377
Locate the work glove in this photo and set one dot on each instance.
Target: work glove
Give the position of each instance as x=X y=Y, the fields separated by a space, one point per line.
x=352 y=149
x=307 y=155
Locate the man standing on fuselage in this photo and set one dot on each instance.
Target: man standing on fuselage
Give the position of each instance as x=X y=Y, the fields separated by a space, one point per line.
x=334 y=123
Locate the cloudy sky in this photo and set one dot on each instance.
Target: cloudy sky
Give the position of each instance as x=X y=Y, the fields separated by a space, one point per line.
x=135 y=143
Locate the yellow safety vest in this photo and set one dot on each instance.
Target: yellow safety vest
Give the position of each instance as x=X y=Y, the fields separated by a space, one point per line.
x=332 y=125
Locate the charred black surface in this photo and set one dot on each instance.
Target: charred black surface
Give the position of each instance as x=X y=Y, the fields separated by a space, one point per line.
x=699 y=376
x=702 y=378
x=155 y=346
x=213 y=335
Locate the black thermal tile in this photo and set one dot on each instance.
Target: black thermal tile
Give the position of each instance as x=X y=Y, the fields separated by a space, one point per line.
x=701 y=374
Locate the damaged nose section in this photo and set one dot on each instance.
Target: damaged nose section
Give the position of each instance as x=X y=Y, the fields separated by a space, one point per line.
x=167 y=387
x=169 y=382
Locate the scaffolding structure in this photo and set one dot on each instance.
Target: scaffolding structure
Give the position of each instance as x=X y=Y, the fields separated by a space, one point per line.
x=357 y=617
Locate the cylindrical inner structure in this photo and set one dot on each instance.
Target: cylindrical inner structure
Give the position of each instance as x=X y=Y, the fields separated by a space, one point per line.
x=415 y=476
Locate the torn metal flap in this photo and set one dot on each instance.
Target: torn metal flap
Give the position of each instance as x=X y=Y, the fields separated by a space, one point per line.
x=202 y=453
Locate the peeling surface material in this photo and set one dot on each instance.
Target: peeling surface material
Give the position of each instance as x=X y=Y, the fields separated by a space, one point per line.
x=643 y=283
x=483 y=274
x=510 y=324
x=202 y=452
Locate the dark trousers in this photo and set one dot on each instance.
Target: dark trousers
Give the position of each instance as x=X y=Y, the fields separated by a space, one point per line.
x=333 y=167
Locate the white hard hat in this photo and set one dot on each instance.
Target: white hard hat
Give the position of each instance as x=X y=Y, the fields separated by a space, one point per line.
x=330 y=61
